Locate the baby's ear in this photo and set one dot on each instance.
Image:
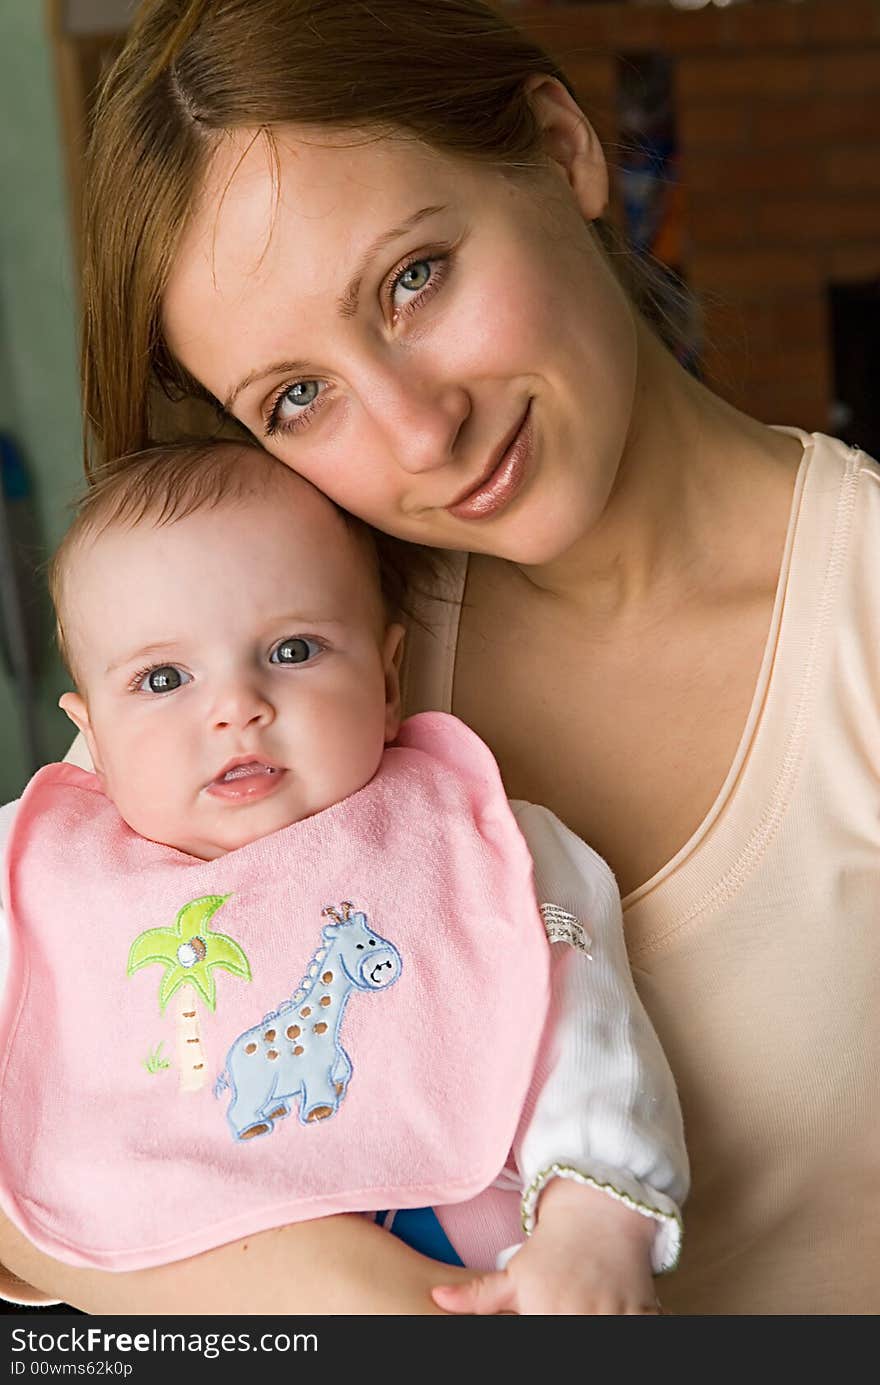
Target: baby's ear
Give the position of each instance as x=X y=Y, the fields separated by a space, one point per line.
x=392 y=653
x=75 y=707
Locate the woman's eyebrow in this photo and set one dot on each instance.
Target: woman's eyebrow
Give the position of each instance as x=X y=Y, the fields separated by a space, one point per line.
x=348 y=301
x=276 y=368
x=346 y=304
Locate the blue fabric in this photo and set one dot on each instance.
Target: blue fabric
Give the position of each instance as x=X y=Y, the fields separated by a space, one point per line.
x=419 y=1228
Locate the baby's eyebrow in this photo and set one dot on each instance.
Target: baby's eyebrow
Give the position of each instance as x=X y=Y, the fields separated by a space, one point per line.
x=301 y=623
x=346 y=304
x=147 y=651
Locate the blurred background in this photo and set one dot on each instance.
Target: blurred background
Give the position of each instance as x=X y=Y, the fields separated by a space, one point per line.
x=744 y=142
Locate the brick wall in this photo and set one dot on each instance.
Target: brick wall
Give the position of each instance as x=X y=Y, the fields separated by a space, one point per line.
x=778 y=109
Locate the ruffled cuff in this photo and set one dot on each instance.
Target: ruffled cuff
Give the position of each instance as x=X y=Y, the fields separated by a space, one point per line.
x=638 y=1196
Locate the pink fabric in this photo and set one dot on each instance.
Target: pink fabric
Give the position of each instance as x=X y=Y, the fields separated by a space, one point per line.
x=484 y=1226
x=104 y=1163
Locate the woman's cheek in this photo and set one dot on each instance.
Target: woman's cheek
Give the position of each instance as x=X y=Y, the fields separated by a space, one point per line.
x=345 y=459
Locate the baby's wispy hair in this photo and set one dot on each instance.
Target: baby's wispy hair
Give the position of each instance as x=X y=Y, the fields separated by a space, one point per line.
x=171 y=481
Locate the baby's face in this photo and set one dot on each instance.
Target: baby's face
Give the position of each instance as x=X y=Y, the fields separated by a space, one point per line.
x=235 y=669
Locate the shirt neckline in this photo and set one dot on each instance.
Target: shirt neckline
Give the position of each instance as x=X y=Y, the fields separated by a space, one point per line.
x=738 y=831
x=699 y=869
x=727 y=790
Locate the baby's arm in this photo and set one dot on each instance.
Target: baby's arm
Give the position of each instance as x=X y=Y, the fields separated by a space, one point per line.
x=601 y=1150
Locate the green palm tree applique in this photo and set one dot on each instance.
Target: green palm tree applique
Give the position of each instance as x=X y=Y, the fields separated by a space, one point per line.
x=189 y=952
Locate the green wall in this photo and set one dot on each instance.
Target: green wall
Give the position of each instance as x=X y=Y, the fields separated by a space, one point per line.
x=38 y=368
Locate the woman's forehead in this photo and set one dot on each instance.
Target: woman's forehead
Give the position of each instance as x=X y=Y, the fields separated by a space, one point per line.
x=262 y=194
x=302 y=210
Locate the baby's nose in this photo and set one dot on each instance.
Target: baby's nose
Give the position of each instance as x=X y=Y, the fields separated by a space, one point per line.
x=242 y=705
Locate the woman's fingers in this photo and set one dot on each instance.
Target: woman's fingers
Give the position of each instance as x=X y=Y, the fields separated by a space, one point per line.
x=485 y=1294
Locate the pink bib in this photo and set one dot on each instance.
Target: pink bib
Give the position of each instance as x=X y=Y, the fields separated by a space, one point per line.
x=342 y=1016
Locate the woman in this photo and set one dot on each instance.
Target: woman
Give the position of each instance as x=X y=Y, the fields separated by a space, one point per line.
x=373 y=235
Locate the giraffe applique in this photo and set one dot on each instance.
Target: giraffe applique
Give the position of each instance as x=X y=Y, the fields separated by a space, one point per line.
x=295 y=1053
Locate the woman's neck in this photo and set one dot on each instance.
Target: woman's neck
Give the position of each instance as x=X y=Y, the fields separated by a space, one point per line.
x=699 y=505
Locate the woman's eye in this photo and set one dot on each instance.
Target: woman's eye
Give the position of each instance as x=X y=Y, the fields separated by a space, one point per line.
x=295 y=651
x=166 y=678
x=303 y=393
x=412 y=280
x=293 y=405
x=296 y=406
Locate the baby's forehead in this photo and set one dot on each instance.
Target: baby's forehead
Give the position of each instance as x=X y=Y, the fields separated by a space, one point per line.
x=265 y=538
x=273 y=489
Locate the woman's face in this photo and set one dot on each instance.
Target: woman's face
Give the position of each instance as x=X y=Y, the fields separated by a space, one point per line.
x=437 y=346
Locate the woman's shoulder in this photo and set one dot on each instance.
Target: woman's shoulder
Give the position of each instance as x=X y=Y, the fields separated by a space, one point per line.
x=830 y=455
x=847 y=480
x=840 y=498
x=836 y=579
x=859 y=558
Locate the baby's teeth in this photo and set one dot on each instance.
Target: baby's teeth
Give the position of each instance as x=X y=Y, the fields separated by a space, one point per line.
x=246 y=771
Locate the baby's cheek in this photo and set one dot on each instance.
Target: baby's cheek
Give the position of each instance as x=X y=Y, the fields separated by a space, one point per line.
x=145 y=779
x=348 y=736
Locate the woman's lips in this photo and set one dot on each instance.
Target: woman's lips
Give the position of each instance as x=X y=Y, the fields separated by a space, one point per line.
x=504 y=481
x=247 y=782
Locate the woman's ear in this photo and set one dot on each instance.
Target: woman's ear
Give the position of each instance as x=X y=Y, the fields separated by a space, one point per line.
x=570 y=142
x=75 y=707
x=392 y=653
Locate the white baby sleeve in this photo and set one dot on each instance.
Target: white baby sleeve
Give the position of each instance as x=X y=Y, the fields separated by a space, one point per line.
x=605 y=1111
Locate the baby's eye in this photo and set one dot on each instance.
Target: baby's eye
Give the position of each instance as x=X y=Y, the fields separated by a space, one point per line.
x=297 y=650
x=163 y=679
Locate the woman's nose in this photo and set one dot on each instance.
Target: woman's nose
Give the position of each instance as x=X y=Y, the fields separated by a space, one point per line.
x=241 y=705
x=422 y=421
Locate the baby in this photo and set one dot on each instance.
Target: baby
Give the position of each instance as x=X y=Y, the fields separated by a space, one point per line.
x=237 y=684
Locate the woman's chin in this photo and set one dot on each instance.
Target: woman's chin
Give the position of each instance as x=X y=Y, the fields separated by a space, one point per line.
x=534 y=546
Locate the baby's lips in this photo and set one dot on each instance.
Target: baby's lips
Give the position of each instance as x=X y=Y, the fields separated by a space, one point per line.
x=244 y=767
x=246 y=771
x=246 y=780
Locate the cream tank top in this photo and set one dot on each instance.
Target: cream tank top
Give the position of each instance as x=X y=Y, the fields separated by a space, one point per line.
x=756 y=949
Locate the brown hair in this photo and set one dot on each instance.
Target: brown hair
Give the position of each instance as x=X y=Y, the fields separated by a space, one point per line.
x=166 y=483
x=449 y=72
